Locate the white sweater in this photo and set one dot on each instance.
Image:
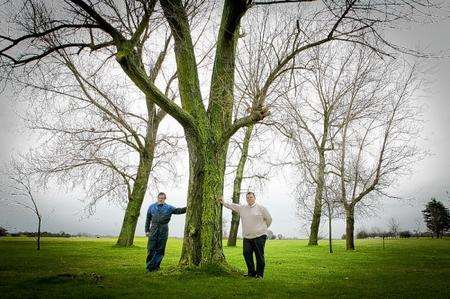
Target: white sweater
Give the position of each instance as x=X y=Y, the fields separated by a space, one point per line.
x=255 y=219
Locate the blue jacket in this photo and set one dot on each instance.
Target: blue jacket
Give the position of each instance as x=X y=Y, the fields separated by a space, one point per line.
x=159 y=214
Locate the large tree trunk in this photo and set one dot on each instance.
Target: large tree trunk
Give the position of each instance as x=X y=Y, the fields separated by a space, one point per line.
x=350 y=227
x=317 y=213
x=204 y=129
x=202 y=244
x=237 y=186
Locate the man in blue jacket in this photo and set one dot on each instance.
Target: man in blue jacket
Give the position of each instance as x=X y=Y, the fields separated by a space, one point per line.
x=157 y=230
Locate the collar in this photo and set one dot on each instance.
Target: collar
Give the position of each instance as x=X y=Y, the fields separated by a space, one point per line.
x=254 y=204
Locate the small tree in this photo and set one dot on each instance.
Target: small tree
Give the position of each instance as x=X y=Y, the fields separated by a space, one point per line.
x=418 y=225
x=3 y=231
x=21 y=191
x=394 y=227
x=437 y=217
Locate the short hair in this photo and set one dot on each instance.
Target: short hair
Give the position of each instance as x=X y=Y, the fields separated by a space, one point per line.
x=161 y=194
x=250 y=192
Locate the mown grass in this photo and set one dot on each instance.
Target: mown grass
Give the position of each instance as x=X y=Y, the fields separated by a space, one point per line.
x=83 y=267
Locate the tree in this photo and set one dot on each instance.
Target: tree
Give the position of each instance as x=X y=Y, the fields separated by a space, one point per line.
x=417 y=227
x=376 y=140
x=22 y=193
x=96 y=139
x=102 y=25
x=436 y=217
x=394 y=227
x=310 y=118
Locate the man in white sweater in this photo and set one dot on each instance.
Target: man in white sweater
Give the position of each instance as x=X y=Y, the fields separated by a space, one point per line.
x=255 y=220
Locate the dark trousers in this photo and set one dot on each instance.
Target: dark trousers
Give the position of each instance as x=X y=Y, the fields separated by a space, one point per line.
x=156 y=247
x=255 y=246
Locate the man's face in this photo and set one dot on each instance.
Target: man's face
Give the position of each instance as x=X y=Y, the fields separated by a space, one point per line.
x=161 y=199
x=250 y=199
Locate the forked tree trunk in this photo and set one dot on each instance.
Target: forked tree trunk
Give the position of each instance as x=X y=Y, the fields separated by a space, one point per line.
x=204 y=129
x=350 y=227
x=232 y=237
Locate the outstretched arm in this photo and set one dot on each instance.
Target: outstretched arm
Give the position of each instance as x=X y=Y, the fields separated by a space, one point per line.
x=179 y=210
x=231 y=206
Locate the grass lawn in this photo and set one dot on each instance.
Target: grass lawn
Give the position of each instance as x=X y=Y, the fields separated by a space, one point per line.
x=82 y=267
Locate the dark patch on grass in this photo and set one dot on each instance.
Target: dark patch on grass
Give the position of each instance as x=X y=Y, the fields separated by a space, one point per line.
x=70 y=277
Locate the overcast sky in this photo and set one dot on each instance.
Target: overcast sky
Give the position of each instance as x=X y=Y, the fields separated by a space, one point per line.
x=431 y=177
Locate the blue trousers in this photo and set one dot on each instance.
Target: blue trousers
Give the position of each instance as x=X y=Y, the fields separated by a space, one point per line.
x=156 y=247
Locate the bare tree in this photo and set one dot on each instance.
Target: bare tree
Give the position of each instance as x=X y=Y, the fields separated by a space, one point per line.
x=96 y=26
x=376 y=141
x=417 y=227
x=96 y=138
x=394 y=227
x=311 y=116
x=22 y=193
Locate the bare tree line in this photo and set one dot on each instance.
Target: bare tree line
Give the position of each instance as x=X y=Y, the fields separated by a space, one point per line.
x=352 y=127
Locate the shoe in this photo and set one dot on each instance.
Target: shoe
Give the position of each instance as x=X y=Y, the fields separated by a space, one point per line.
x=249 y=275
x=258 y=277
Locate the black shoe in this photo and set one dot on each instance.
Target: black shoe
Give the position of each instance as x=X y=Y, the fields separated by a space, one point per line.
x=258 y=277
x=249 y=275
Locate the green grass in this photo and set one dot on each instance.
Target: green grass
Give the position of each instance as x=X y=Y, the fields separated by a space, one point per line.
x=82 y=267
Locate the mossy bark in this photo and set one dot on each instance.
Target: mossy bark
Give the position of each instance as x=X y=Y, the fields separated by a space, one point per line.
x=202 y=245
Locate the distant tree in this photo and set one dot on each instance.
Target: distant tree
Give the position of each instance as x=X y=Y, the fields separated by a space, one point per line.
x=418 y=225
x=3 y=232
x=22 y=193
x=280 y=236
x=394 y=227
x=437 y=217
